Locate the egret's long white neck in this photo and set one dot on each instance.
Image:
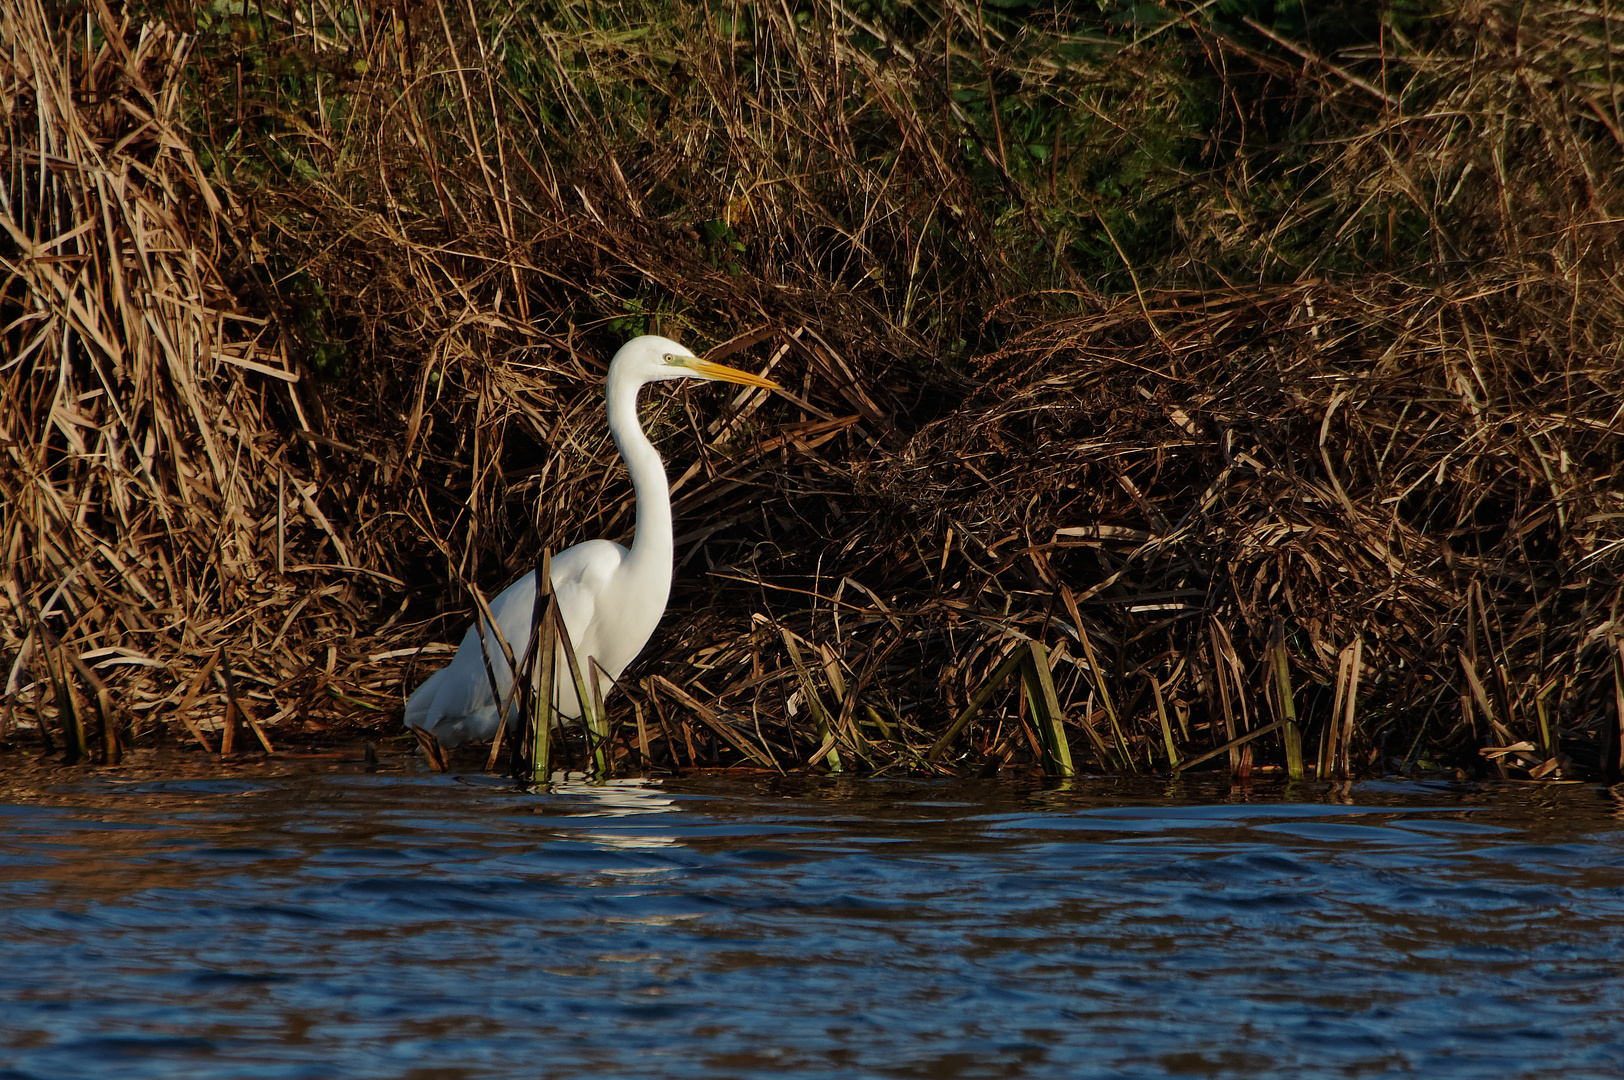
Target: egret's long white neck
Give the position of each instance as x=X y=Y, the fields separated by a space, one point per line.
x=651 y=553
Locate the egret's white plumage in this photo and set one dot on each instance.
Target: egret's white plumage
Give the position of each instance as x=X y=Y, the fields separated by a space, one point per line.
x=611 y=598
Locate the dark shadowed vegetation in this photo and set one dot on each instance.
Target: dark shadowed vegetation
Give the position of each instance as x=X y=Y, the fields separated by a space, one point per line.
x=1208 y=385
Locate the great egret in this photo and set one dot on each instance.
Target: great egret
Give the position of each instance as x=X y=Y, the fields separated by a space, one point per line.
x=611 y=598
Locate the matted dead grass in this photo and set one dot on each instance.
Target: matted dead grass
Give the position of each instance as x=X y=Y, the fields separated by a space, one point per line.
x=1306 y=444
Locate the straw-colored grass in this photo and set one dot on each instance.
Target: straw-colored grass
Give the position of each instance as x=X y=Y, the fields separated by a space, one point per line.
x=1268 y=376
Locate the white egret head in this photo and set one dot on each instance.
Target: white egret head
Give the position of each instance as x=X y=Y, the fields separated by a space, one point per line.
x=652 y=358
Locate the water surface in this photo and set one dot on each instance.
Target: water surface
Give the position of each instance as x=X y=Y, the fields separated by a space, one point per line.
x=415 y=925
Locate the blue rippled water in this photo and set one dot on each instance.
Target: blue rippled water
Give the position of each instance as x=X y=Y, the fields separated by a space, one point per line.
x=423 y=926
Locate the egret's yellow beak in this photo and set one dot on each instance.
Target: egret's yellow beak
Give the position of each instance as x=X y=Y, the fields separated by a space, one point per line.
x=705 y=369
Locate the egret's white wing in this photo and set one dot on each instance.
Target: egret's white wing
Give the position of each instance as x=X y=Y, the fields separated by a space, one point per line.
x=456 y=703
x=417 y=706
x=583 y=577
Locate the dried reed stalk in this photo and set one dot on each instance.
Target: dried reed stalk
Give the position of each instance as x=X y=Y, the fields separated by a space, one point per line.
x=1194 y=403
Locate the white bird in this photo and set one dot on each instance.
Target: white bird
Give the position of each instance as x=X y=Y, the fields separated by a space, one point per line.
x=611 y=598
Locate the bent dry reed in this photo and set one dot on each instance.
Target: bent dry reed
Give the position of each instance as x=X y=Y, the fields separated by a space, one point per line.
x=1225 y=391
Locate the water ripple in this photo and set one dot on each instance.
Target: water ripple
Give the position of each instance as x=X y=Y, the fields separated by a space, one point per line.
x=366 y=926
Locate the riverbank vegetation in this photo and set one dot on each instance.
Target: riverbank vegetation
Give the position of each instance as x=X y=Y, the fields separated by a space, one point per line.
x=1219 y=385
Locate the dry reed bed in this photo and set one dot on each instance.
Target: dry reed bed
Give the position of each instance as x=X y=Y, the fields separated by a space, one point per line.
x=303 y=327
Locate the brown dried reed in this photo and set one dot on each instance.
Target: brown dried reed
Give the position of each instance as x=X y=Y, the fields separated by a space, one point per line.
x=1309 y=440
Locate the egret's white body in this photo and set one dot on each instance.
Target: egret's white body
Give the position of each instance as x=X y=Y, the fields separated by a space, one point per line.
x=611 y=598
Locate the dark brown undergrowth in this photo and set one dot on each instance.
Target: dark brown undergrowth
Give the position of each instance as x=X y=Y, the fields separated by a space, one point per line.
x=1266 y=373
